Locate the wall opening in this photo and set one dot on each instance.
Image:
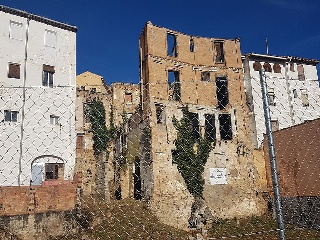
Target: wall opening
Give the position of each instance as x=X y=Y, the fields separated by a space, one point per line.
x=225 y=126
x=174 y=85
x=300 y=70
x=267 y=67
x=160 y=114
x=257 y=66
x=137 y=179
x=210 y=128
x=191 y=46
x=205 y=76
x=195 y=125
x=276 y=68
x=222 y=92
x=219 y=52
x=172 y=45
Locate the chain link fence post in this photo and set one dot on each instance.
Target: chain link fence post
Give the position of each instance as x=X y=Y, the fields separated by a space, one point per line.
x=273 y=164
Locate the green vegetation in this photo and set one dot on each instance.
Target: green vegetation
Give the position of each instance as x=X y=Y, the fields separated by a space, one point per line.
x=191 y=153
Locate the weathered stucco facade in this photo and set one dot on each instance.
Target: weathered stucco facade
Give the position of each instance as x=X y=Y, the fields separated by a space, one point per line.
x=204 y=74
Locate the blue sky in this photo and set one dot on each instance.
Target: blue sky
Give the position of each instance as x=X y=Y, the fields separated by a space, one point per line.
x=108 y=31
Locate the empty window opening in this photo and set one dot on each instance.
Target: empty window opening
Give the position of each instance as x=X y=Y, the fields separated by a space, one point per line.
x=47 y=75
x=219 y=52
x=16 y=30
x=160 y=114
x=225 y=126
x=222 y=92
x=128 y=97
x=295 y=93
x=54 y=120
x=10 y=116
x=276 y=68
x=210 y=128
x=137 y=179
x=172 y=45
x=54 y=171
x=93 y=90
x=300 y=70
x=205 y=76
x=195 y=125
x=271 y=97
x=274 y=125
x=292 y=67
x=257 y=66
x=174 y=85
x=191 y=45
x=304 y=98
x=14 y=70
x=267 y=67
x=80 y=142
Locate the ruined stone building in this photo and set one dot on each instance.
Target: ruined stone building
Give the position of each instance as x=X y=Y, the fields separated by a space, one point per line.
x=119 y=101
x=205 y=74
x=293 y=91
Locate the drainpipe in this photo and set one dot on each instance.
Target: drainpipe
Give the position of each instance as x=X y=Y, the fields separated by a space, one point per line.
x=23 y=99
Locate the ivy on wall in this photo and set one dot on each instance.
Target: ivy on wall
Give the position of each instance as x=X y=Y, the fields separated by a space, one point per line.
x=191 y=153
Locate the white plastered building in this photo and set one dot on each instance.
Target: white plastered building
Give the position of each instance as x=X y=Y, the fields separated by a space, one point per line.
x=37 y=99
x=293 y=91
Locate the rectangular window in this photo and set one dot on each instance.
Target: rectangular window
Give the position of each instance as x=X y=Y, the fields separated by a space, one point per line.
x=16 y=30
x=174 y=85
x=210 y=128
x=10 y=116
x=300 y=70
x=50 y=38
x=271 y=97
x=47 y=76
x=225 y=126
x=222 y=92
x=274 y=125
x=128 y=97
x=292 y=67
x=219 y=52
x=80 y=142
x=54 y=120
x=14 y=70
x=54 y=171
x=304 y=98
x=172 y=45
x=205 y=76
x=295 y=93
x=160 y=113
x=195 y=125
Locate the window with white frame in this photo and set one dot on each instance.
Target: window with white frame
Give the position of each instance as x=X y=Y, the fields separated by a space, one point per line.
x=54 y=120
x=47 y=75
x=304 y=98
x=10 y=116
x=271 y=97
x=16 y=30
x=50 y=38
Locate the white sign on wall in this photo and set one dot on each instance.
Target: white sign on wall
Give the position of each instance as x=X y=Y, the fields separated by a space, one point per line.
x=218 y=176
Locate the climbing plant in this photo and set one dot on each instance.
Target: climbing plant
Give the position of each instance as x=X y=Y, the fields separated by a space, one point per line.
x=191 y=153
x=101 y=135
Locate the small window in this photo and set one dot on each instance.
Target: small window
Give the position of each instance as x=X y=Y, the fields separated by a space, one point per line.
x=292 y=67
x=16 y=30
x=54 y=120
x=295 y=93
x=300 y=70
x=274 y=125
x=219 y=52
x=257 y=66
x=14 y=70
x=93 y=90
x=80 y=142
x=160 y=113
x=82 y=88
x=271 y=97
x=195 y=125
x=304 y=98
x=222 y=92
x=10 y=116
x=267 y=67
x=210 y=128
x=276 y=68
x=54 y=171
x=191 y=45
x=174 y=85
x=225 y=126
x=128 y=97
x=50 y=38
x=172 y=45
x=47 y=76
x=205 y=76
